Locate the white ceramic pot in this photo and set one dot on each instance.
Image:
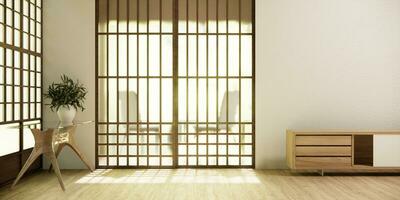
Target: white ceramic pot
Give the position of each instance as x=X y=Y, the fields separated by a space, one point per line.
x=66 y=115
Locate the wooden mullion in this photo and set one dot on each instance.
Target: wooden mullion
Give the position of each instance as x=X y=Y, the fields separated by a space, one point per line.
x=127 y=83
x=13 y=65
x=147 y=63
x=118 y=82
x=5 y=63
x=217 y=81
x=21 y=78
x=36 y=50
x=137 y=84
x=207 y=158
x=97 y=86
x=227 y=82
x=160 y=63
x=108 y=82
x=253 y=83
x=29 y=61
x=201 y=143
x=158 y=33
x=21 y=49
x=187 y=82
x=197 y=81
x=240 y=82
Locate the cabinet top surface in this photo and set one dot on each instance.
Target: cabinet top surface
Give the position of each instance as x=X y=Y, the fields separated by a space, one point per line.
x=342 y=132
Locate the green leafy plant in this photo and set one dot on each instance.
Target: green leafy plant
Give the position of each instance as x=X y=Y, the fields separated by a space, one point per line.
x=67 y=93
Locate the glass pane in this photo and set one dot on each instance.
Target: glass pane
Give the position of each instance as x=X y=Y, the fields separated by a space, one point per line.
x=142 y=55
x=202 y=100
x=182 y=55
x=212 y=55
x=154 y=100
x=246 y=56
x=9 y=139
x=182 y=99
x=102 y=55
x=192 y=16
x=212 y=16
x=112 y=100
x=112 y=14
x=143 y=15
x=112 y=55
x=154 y=15
x=142 y=93
x=202 y=56
x=167 y=16
x=182 y=5
x=202 y=16
x=166 y=55
x=133 y=59
x=154 y=56
x=246 y=102
x=123 y=17
x=212 y=100
x=222 y=53
x=233 y=16
x=192 y=57
x=167 y=100
x=29 y=140
x=222 y=22
x=192 y=101
x=233 y=55
x=122 y=55
x=133 y=15
x=246 y=16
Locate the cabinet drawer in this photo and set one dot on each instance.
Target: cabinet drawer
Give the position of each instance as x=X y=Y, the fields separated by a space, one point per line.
x=323 y=162
x=323 y=140
x=323 y=151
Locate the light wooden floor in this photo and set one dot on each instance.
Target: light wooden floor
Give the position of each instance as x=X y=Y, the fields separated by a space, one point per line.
x=192 y=184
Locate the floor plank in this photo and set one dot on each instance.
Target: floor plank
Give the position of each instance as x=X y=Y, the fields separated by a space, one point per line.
x=191 y=184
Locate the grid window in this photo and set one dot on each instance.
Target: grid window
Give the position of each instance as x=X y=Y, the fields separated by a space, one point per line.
x=20 y=74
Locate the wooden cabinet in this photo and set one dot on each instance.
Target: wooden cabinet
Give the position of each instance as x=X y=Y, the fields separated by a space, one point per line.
x=343 y=150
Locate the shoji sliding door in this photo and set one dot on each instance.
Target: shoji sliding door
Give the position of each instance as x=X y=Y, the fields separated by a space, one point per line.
x=215 y=83
x=20 y=83
x=175 y=83
x=135 y=84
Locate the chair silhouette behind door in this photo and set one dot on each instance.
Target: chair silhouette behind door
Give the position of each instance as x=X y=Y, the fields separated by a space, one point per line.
x=230 y=103
x=133 y=116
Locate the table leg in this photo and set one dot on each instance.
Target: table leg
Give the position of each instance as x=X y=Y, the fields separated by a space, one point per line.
x=81 y=156
x=34 y=155
x=52 y=157
x=58 y=151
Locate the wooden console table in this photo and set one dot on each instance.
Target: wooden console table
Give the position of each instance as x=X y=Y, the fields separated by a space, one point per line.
x=50 y=143
x=377 y=151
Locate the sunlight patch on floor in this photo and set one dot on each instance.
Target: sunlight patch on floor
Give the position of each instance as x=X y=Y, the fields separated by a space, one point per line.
x=109 y=176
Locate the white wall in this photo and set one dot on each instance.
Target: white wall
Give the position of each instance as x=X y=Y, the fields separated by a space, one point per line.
x=324 y=64
x=320 y=64
x=69 y=48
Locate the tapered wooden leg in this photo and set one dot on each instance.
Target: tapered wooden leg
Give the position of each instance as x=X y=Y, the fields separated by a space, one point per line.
x=60 y=147
x=81 y=156
x=35 y=154
x=51 y=156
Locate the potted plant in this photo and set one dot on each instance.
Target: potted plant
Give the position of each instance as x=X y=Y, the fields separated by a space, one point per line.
x=66 y=98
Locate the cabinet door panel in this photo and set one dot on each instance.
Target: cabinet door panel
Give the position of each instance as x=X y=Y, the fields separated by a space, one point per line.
x=386 y=150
